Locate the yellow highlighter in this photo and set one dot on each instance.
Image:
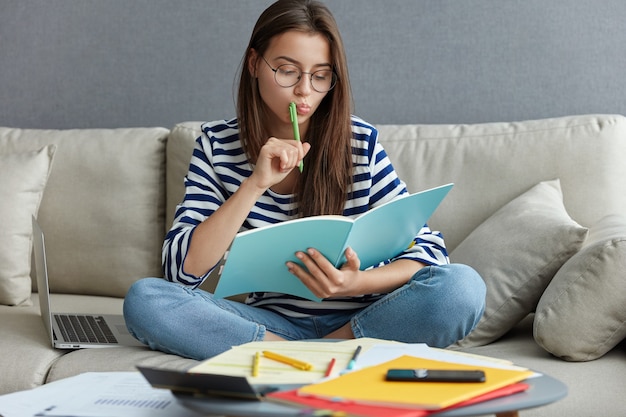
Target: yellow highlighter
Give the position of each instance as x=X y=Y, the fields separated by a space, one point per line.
x=255 y=364
x=289 y=361
x=293 y=114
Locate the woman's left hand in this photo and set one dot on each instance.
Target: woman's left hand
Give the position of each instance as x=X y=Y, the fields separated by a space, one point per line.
x=323 y=279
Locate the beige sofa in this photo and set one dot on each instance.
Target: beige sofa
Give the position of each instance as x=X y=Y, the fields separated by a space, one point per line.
x=538 y=208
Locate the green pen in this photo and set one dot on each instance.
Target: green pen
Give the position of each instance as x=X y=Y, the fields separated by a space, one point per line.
x=296 y=130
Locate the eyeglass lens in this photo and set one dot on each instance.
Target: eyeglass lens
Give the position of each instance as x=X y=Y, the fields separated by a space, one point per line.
x=288 y=75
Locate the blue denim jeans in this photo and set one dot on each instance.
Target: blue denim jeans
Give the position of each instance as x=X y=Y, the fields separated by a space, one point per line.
x=438 y=306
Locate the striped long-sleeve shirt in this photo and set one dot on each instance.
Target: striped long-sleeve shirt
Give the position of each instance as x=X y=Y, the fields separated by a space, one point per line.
x=219 y=166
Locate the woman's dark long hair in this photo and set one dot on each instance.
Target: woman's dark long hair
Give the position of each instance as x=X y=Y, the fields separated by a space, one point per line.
x=324 y=185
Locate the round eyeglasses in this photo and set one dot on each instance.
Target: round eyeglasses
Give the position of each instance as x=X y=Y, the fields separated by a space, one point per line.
x=288 y=75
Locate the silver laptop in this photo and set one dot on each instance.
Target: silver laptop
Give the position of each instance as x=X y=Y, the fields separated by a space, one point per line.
x=70 y=330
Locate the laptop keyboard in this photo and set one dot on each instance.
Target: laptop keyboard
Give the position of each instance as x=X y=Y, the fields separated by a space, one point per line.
x=84 y=329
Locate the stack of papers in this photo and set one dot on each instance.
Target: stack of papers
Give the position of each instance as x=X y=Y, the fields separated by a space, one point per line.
x=364 y=391
x=369 y=387
x=238 y=360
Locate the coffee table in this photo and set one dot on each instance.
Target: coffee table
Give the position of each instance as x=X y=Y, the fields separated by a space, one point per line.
x=543 y=390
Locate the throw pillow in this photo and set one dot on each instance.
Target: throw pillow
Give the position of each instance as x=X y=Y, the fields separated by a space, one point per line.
x=582 y=313
x=23 y=180
x=517 y=251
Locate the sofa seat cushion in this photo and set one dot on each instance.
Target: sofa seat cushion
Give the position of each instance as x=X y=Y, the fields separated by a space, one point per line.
x=104 y=207
x=582 y=313
x=517 y=251
x=594 y=388
x=22 y=184
x=122 y=358
x=26 y=355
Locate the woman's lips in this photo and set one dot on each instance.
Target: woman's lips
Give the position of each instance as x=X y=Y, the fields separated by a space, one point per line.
x=303 y=109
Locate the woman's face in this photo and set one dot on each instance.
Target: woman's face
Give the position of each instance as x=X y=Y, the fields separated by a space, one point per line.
x=308 y=52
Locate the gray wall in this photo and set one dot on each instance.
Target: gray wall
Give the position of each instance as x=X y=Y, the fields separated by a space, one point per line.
x=114 y=63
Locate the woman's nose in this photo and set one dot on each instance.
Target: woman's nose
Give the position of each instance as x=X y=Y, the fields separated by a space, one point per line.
x=303 y=86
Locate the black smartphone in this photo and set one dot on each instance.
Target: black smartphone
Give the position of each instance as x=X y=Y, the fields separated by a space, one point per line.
x=435 y=375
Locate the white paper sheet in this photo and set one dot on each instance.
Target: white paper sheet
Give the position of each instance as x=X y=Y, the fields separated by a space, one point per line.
x=95 y=394
x=378 y=354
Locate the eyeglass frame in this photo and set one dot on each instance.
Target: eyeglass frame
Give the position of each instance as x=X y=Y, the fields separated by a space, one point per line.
x=275 y=71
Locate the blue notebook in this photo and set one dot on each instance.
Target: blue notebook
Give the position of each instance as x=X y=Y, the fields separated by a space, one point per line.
x=256 y=259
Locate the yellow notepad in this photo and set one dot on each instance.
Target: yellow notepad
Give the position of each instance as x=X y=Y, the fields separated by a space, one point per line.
x=238 y=360
x=368 y=385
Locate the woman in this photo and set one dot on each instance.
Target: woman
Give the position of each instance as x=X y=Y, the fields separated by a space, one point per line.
x=244 y=174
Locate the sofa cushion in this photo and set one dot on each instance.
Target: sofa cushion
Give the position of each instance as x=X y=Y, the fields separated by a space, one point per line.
x=26 y=351
x=120 y=358
x=517 y=251
x=180 y=145
x=24 y=178
x=582 y=313
x=104 y=207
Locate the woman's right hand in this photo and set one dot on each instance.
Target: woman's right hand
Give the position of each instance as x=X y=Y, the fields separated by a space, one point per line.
x=278 y=157
x=213 y=236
